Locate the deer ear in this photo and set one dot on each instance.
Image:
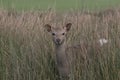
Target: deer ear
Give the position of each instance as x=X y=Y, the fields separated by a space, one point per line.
x=68 y=26
x=48 y=27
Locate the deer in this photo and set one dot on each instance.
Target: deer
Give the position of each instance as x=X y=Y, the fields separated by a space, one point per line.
x=64 y=58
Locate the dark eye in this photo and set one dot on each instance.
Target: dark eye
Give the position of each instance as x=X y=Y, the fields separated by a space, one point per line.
x=53 y=34
x=63 y=33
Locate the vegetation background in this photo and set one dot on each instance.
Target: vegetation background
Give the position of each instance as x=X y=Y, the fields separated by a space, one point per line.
x=59 y=5
x=27 y=50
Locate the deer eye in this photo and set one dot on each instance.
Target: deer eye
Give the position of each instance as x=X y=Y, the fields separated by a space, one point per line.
x=53 y=34
x=63 y=33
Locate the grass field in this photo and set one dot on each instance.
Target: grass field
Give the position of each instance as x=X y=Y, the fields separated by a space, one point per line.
x=27 y=50
x=60 y=5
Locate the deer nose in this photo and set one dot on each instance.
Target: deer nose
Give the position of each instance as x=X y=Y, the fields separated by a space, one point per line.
x=58 y=40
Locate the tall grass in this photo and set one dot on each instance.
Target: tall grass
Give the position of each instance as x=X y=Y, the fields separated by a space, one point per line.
x=27 y=51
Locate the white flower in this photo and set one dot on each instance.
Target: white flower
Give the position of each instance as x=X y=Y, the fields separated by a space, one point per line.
x=103 y=41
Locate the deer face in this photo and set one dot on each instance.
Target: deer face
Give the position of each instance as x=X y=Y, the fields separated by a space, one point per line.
x=58 y=33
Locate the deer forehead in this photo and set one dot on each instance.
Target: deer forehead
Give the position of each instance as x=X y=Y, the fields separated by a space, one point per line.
x=58 y=30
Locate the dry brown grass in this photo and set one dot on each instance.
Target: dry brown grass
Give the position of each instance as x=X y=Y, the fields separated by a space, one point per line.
x=27 y=52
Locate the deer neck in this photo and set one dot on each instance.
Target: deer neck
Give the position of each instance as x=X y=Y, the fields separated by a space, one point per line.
x=60 y=49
